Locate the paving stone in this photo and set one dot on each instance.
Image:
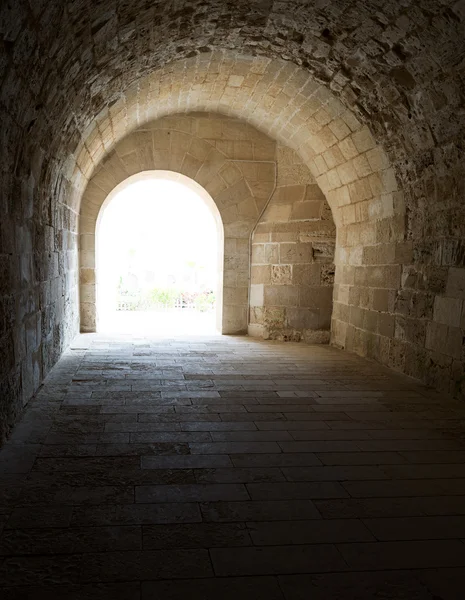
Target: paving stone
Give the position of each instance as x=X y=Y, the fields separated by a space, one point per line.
x=275 y=460
x=123 y=478
x=361 y=458
x=197 y=461
x=337 y=473
x=141 y=427
x=405 y=487
x=168 y=436
x=77 y=495
x=250 y=436
x=191 y=493
x=418 y=528
x=70 y=540
x=118 y=591
x=230 y=588
x=390 y=507
x=237 y=475
x=16 y=458
x=38 y=516
x=319 y=446
x=234 y=448
x=443 y=583
x=136 y=514
x=435 y=457
x=389 y=585
x=288 y=490
x=276 y=533
x=404 y=554
x=265 y=510
x=291 y=425
x=223 y=426
x=197 y=535
x=142 y=449
x=271 y=467
x=106 y=567
x=422 y=471
x=278 y=559
x=331 y=436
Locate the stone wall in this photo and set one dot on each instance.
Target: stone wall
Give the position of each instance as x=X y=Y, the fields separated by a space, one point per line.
x=292 y=271
x=370 y=94
x=233 y=161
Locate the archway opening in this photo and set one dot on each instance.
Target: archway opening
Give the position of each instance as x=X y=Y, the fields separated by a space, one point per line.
x=159 y=257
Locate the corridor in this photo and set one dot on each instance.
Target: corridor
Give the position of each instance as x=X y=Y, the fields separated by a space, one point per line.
x=228 y=467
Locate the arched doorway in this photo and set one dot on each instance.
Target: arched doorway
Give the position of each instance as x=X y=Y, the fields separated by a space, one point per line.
x=159 y=257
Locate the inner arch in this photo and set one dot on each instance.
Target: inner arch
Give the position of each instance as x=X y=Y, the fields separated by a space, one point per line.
x=152 y=197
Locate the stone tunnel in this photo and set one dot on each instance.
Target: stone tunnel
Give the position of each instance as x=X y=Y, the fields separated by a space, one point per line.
x=329 y=136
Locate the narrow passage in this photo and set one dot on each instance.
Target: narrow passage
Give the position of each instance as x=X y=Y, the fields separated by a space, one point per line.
x=227 y=467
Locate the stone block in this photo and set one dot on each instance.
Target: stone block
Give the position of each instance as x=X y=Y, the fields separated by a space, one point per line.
x=348 y=148
x=266 y=171
x=303 y=318
x=296 y=253
x=313 y=194
x=247 y=209
x=256 y=295
x=264 y=150
x=87 y=293
x=363 y=140
x=444 y=339
x=256 y=315
x=306 y=274
x=190 y=166
x=456 y=283
x=286 y=236
x=306 y=210
x=272 y=253
x=362 y=166
x=281 y=274
x=339 y=128
x=347 y=173
x=289 y=194
x=87 y=243
x=278 y=212
x=281 y=295
x=377 y=159
x=448 y=310
x=231 y=174
x=235 y=296
x=316 y=297
x=258 y=254
x=410 y=330
x=381 y=300
x=87 y=276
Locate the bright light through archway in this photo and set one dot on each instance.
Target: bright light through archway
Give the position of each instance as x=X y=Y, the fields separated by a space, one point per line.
x=157 y=260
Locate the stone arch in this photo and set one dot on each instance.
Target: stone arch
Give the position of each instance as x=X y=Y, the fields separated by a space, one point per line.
x=240 y=189
x=77 y=80
x=287 y=104
x=91 y=278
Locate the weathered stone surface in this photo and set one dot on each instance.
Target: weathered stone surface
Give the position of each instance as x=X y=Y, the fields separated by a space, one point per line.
x=301 y=257
x=369 y=96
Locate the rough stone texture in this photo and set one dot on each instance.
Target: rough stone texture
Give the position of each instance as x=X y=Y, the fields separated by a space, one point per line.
x=231 y=160
x=369 y=93
x=303 y=472
x=292 y=272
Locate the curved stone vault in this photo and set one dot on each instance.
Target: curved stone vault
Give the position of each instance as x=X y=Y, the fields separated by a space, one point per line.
x=369 y=95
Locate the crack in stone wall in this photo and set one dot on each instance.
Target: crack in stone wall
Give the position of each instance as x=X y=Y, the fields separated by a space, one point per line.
x=293 y=268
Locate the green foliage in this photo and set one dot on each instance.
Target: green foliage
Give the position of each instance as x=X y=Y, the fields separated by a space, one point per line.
x=204 y=301
x=165 y=296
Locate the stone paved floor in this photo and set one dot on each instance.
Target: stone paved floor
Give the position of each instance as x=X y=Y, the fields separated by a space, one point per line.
x=229 y=468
